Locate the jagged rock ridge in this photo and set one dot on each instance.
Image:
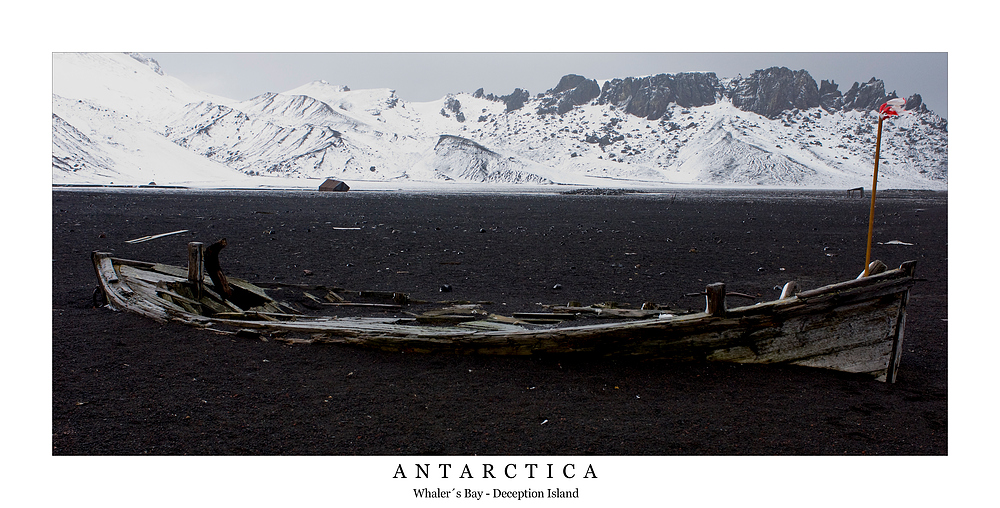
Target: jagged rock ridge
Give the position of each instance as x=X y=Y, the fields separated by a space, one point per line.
x=649 y=97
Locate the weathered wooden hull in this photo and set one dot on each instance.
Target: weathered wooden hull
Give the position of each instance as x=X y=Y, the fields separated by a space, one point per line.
x=854 y=326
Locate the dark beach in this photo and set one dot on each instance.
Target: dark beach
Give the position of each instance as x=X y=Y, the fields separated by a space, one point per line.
x=127 y=385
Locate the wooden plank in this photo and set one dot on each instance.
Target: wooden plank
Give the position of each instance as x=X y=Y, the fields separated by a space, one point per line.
x=315 y=287
x=464 y=309
x=386 y=306
x=132 y=262
x=242 y=284
x=146 y=275
x=107 y=268
x=491 y=325
x=176 y=271
x=432 y=319
x=549 y=316
x=154 y=237
x=146 y=297
x=858 y=283
x=312 y=297
x=897 y=340
x=607 y=312
x=176 y=296
x=252 y=313
x=210 y=295
x=188 y=305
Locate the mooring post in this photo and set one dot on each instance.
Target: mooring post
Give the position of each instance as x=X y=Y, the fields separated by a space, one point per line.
x=196 y=264
x=715 y=299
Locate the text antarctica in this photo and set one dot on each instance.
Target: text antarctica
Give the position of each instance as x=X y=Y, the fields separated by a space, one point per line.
x=491 y=472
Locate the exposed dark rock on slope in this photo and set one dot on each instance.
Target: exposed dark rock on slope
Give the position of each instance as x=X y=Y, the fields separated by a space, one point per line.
x=867 y=96
x=772 y=91
x=767 y=92
x=649 y=97
x=572 y=90
x=830 y=97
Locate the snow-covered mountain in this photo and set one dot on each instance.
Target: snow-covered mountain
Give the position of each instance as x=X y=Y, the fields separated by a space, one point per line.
x=118 y=118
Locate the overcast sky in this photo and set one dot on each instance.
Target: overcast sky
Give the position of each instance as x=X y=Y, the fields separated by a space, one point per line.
x=420 y=77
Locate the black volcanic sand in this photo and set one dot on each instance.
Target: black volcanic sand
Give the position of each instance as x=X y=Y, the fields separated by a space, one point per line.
x=126 y=385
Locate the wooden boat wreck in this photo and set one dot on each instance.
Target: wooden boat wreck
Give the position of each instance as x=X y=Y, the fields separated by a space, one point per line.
x=854 y=326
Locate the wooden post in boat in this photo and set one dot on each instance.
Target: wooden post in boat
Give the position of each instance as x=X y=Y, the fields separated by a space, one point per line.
x=715 y=299
x=871 y=211
x=196 y=264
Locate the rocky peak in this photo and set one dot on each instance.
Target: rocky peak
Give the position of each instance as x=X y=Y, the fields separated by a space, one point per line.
x=452 y=104
x=649 y=96
x=516 y=99
x=771 y=91
x=867 y=96
x=567 y=82
x=915 y=102
x=572 y=90
x=830 y=97
x=147 y=61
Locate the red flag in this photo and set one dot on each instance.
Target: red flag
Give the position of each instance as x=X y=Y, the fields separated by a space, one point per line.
x=893 y=107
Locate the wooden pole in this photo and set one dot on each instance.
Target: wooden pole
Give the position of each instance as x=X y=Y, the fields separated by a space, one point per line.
x=715 y=299
x=871 y=211
x=196 y=265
